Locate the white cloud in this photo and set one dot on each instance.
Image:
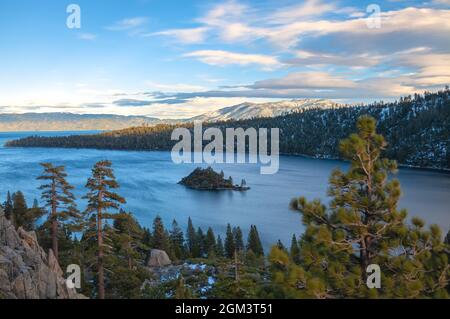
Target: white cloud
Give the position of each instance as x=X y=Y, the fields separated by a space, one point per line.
x=186 y=36
x=307 y=9
x=128 y=24
x=310 y=58
x=174 y=87
x=222 y=58
x=230 y=10
x=395 y=24
x=305 y=80
x=87 y=36
x=445 y=2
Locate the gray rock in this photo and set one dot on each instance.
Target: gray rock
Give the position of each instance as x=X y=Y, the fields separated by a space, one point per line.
x=26 y=271
x=158 y=258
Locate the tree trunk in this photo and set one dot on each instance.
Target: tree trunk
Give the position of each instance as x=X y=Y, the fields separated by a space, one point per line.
x=54 y=223
x=55 y=239
x=236 y=266
x=364 y=258
x=101 y=276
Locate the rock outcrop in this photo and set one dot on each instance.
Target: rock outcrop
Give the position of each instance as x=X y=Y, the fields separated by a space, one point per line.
x=158 y=258
x=26 y=271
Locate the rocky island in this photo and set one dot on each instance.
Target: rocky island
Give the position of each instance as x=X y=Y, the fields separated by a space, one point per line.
x=208 y=179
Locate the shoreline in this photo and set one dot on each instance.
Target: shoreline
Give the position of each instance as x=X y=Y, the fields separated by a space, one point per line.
x=402 y=166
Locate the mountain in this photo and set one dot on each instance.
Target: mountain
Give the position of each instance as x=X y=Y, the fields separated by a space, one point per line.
x=103 y=122
x=70 y=122
x=417 y=129
x=247 y=110
x=26 y=271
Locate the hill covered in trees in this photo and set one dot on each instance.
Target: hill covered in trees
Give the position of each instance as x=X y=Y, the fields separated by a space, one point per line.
x=416 y=128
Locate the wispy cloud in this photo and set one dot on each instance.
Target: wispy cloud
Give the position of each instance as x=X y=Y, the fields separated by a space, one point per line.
x=128 y=24
x=306 y=10
x=174 y=87
x=185 y=36
x=305 y=80
x=87 y=36
x=223 y=58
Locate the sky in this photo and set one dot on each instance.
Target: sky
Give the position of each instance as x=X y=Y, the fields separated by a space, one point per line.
x=177 y=59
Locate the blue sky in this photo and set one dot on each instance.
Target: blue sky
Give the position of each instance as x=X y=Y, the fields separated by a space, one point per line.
x=174 y=59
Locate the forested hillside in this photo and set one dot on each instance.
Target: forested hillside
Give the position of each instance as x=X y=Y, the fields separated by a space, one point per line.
x=416 y=128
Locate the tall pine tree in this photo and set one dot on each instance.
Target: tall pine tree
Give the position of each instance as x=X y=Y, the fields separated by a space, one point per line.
x=19 y=209
x=160 y=239
x=295 y=250
x=101 y=200
x=220 y=250
x=8 y=206
x=210 y=243
x=177 y=241
x=58 y=197
x=238 y=238
x=192 y=242
x=201 y=242
x=363 y=226
x=254 y=242
x=230 y=246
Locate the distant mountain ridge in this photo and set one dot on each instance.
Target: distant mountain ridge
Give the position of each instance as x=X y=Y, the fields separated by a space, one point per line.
x=70 y=122
x=87 y=122
x=417 y=129
x=247 y=110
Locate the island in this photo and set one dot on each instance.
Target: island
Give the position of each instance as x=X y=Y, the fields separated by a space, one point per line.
x=208 y=179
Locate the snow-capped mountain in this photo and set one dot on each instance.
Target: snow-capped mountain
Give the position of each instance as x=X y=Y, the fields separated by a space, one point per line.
x=249 y=110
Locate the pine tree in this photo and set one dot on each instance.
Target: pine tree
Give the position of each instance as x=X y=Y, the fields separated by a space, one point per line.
x=159 y=235
x=191 y=239
x=280 y=246
x=254 y=242
x=21 y=215
x=128 y=241
x=32 y=216
x=220 y=250
x=210 y=242
x=230 y=245
x=147 y=237
x=200 y=242
x=19 y=209
x=295 y=250
x=363 y=226
x=182 y=291
x=66 y=242
x=238 y=238
x=101 y=199
x=177 y=241
x=8 y=206
x=58 y=197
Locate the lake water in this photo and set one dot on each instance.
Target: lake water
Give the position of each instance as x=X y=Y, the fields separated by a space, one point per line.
x=149 y=183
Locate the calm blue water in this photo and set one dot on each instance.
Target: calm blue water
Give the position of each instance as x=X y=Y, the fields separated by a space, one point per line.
x=149 y=183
